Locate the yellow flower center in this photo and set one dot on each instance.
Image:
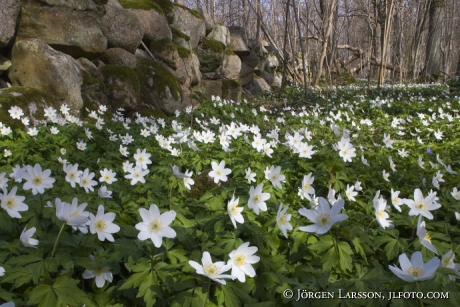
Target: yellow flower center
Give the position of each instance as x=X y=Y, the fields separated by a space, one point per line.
x=283 y=220
x=107 y=177
x=234 y=209
x=415 y=271
x=156 y=226
x=211 y=269
x=382 y=214
x=323 y=219
x=421 y=205
x=85 y=181
x=428 y=237
x=240 y=260
x=447 y=262
x=101 y=225
x=258 y=198
x=38 y=180
x=76 y=213
x=99 y=270
x=11 y=203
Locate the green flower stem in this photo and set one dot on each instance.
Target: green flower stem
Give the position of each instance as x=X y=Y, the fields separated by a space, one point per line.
x=207 y=294
x=336 y=247
x=418 y=289
x=57 y=239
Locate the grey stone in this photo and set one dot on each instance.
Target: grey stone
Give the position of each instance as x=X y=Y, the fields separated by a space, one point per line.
x=238 y=41
x=221 y=34
x=77 y=33
x=191 y=25
x=9 y=12
x=118 y=56
x=37 y=65
x=154 y=25
x=122 y=28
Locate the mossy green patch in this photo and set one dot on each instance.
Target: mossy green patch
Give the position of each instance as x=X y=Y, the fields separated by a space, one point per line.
x=32 y=102
x=90 y=80
x=122 y=84
x=193 y=12
x=183 y=52
x=229 y=84
x=155 y=77
x=166 y=5
x=152 y=112
x=161 y=45
x=179 y=34
x=142 y=5
x=213 y=45
x=229 y=52
x=198 y=96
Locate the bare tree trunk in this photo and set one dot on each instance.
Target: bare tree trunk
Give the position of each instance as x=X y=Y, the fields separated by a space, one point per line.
x=386 y=35
x=328 y=22
x=433 y=56
x=285 y=62
x=457 y=73
x=422 y=13
x=398 y=34
x=259 y=16
x=304 y=54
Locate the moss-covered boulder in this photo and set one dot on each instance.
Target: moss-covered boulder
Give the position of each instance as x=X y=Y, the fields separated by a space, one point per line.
x=184 y=64
x=93 y=93
x=166 y=51
x=231 y=90
x=258 y=86
x=188 y=71
x=181 y=39
x=146 y=5
x=122 y=28
x=154 y=25
x=238 y=41
x=211 y=54
x=122 y=86
x=220 y=33
x=189 y=22
x=37 y=65
x=159 y=86
x=226 y=89
x=72 y=27
x=118 y=56
x=32 y=102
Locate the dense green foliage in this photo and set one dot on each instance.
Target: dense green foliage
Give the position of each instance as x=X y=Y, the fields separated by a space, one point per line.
x=352 y=257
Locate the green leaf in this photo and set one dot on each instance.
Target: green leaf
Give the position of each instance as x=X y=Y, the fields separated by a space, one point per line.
x=67 y=291
x=135 y=280
x=43 y=296
x=345 y=253
x=229 y=296
x=322 y=245
x=358 y=245
x=177 y=256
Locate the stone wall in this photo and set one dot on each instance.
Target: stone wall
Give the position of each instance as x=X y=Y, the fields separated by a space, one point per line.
x=133 y=54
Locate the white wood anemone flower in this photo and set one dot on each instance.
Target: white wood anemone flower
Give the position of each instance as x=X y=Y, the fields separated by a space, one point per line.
x=415 y=269
x=155 y=226
x=212 y=270
x=323 y=216
x=241 y=260
x=100 y=273
x=103 y=225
